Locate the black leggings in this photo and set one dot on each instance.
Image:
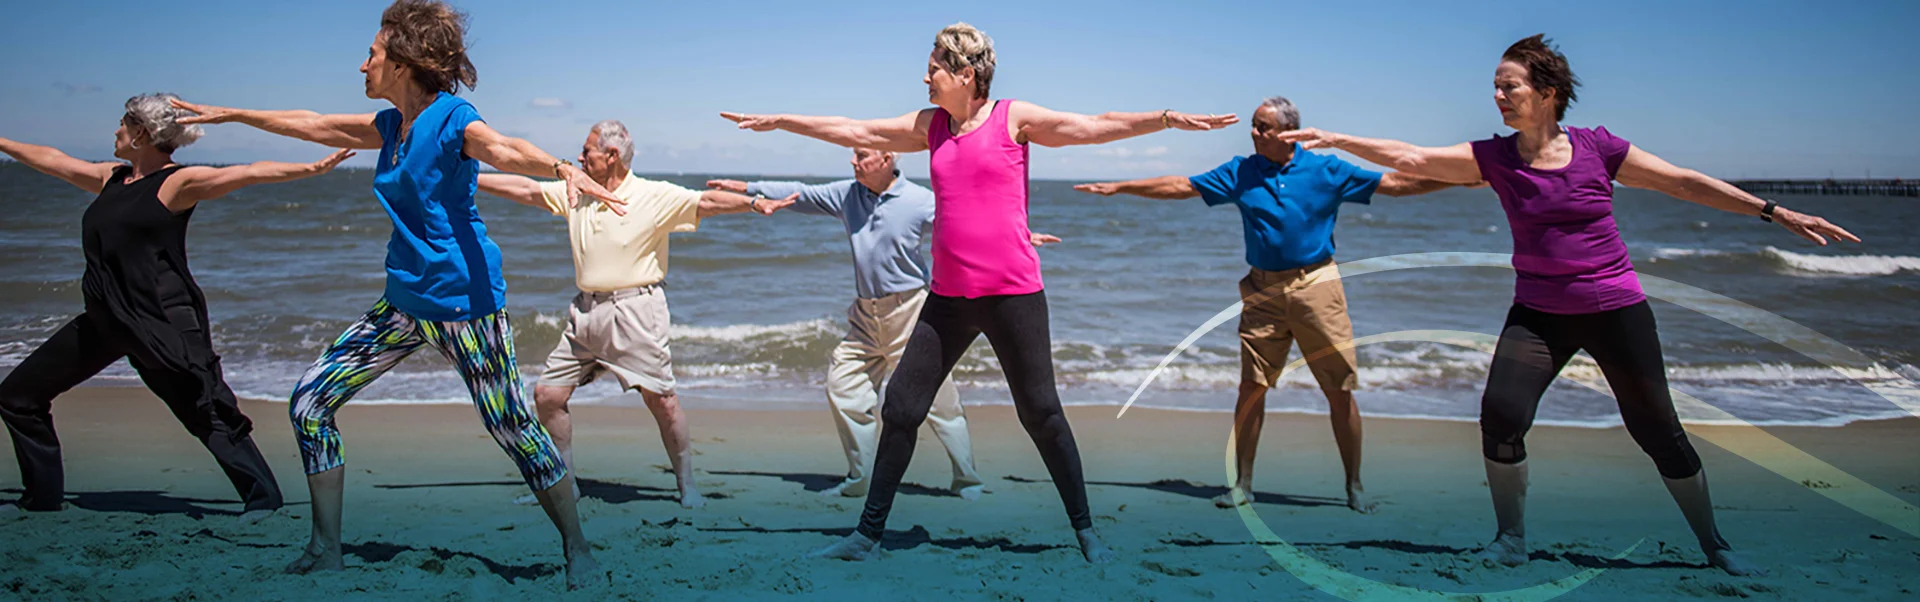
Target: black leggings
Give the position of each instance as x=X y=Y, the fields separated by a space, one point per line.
x=1625 y=342
x=1016 y=326
x=198 y=396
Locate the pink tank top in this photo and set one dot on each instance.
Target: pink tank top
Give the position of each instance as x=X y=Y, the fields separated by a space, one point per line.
x=980 y=236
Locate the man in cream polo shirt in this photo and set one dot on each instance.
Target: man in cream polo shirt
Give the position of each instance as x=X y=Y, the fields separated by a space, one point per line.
x=618 y=322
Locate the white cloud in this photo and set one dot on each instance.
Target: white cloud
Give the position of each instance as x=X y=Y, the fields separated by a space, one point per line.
x=1154 y=152
x=550 y=103
x=1114 y=151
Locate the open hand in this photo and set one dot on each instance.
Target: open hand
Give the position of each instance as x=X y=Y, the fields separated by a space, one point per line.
x=758 y=123
x=202 y=113
x=332 y=161
x=1099 y=188
x=1811 y=227
x=578 y=183
x=1192 y=122
x=768 y=206
x=733 y=186
x=1311 y=138
x=1039 y=240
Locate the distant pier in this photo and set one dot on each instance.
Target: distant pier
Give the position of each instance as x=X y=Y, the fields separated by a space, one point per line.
x=1893 y=187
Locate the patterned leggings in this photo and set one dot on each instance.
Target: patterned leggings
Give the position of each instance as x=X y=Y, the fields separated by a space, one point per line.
x=481 y=350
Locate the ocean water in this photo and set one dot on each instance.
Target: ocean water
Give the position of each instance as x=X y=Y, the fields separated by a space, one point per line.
x=758 y=302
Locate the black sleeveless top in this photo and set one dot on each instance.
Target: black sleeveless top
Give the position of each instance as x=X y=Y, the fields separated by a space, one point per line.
x=137 y=273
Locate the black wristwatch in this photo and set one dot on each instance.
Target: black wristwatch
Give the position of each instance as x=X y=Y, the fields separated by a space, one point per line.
x=1766 y=213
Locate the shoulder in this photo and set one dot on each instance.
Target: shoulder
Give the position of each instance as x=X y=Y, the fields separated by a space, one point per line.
x=638 y=187
x=1599 y=136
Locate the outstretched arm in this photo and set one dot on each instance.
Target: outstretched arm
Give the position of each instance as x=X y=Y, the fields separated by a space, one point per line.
x=1164 y=188
x=517 y=188
x=196 y=184
x=515 y=155
x=90 y=177
x=338 y=131
x=1642 y=169
x=1047 y=127
x=904 y=134
x=1449 y=163
x=721 y=202
x=1394 y=183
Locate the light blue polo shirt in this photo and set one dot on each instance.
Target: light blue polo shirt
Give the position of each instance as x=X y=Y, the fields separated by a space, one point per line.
x=884 y=230
x=441 y=266
x=1288 y=210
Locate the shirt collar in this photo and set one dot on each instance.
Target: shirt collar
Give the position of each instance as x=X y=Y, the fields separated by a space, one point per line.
x=1300 y=156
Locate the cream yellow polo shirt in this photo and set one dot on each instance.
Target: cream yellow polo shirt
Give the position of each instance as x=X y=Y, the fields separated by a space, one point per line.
x=612 y=252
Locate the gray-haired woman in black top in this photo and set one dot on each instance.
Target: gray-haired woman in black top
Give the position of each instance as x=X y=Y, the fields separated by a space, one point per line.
x=141 y=302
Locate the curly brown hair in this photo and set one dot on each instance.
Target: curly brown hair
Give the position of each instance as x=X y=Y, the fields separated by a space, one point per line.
x=1547 y=69
x=429 y=38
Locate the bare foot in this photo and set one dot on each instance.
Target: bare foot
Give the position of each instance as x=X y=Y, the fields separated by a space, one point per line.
x=692 y=499
x=316 y=558
x=1504 y=550
x=970 y=492
x=1733 y=564
x=854 y=547
x=846 y=489
x=255 y=516
x=583 y=571
x=1358 y=500
x=1226 y=500
x=1091 y=547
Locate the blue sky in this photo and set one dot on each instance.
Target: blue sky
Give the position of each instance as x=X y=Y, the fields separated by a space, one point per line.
x=1736 y=89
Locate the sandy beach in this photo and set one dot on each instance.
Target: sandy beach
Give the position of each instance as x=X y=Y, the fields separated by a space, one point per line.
x=428 y=513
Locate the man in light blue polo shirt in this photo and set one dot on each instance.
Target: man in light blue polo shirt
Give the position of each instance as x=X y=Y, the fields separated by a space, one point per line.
x=885 y=217
x=1289 y=200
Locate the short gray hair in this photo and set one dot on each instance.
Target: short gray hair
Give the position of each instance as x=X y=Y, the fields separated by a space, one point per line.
x=1289 y=116
x=153 y=115
x=613 y=135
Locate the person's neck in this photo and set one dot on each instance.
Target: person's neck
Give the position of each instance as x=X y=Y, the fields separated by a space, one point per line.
x=1533 y=137
x=878 y=184
x=612 y=179
x=149 y=161
x=964 y=114
x=1280 y=157
x=411 y=101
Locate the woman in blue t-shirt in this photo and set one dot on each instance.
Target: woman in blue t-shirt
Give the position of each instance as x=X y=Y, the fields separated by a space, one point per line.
x=444 y=286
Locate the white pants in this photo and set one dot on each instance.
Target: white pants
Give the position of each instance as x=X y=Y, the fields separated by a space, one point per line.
x=857 y=376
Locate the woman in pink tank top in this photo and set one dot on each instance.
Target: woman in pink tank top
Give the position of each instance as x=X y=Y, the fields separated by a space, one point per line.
x=986 y=276
x=1576 y=288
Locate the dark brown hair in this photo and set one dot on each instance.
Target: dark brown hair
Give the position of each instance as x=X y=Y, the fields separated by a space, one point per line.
x=1546 y=70
x=429 y=37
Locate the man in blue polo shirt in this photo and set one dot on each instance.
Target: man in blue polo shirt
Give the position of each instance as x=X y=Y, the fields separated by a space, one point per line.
x=1288 y=199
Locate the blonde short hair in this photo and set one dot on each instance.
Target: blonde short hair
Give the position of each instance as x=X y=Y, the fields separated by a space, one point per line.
x=961 y=46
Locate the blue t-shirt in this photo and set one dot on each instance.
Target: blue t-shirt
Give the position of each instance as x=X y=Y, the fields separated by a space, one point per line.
x=1288 y=210
x=441 y=266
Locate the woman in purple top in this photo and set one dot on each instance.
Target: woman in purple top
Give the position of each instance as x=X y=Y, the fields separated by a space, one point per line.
x=1576 y=289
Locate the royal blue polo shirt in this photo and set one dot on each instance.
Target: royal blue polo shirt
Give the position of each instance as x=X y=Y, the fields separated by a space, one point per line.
x=1288 y=210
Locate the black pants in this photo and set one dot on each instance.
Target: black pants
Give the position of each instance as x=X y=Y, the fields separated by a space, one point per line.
x=1625 y=342
x=1016 y=326
x=198 y=397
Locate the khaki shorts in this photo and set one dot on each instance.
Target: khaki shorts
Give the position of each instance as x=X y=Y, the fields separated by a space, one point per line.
x=623 y=332
x=1308 y=305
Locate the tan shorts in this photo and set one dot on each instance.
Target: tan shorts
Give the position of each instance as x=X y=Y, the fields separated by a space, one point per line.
x=1308 y=305
x=623 y=332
